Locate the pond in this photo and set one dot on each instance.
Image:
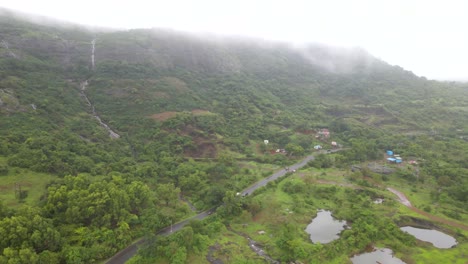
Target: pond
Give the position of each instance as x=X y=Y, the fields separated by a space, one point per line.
x=324 y=228
x=437 y=238
x=379 y=255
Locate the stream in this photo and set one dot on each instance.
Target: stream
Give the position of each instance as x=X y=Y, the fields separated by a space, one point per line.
x=93 y=43
x=256 y=248
x=5 y=45
x=83 y=87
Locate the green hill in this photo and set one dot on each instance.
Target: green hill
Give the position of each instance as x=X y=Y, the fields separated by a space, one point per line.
x=191 y=113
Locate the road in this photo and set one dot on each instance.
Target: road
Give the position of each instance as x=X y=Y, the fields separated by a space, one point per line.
x=283 y=172
x=401 y=197
x=125 y=254
x=122 y=256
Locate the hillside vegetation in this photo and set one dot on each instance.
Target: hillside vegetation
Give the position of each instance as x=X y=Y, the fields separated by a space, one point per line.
x=192 y=112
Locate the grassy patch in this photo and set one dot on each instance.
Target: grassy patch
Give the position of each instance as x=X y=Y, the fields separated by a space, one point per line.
x=429 y=255
x=33 y=183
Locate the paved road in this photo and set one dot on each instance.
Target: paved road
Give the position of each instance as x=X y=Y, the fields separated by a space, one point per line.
x=283 y=172
x=125 y=254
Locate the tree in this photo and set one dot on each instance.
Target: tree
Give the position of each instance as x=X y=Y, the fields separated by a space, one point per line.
x=232 y=204
x=139 y=196
x=3 y=169
x=294 y=149
x=180 y=256
x=20 y=256
x=167 y=194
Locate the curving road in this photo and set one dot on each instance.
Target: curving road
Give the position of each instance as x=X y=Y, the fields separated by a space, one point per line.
x=125 y=254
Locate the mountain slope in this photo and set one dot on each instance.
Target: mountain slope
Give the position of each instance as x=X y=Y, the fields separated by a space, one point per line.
x=174 y=98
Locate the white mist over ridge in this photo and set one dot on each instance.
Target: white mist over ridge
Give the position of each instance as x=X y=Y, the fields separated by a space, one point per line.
x=426 y=38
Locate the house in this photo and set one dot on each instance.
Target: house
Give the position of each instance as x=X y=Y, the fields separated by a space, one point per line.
x=395 y=160
x=324 y=133
x=318 y=147
x=334 y=144
x=280 y=151
x=389 y=153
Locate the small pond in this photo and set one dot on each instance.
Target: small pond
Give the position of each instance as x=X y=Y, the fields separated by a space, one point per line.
x=437 y=238
x=324 y=228
x=380 y=255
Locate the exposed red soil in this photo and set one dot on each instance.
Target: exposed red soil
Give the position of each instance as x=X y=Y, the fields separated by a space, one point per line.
x=202 y=150
x=176 y=83
x=164 y=116
x=167 y=115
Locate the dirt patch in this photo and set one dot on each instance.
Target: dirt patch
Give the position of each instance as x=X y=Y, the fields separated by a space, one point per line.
x=164 y=116
x=202 y=150
x=258 y=217
x=176 y=83
x=167 y=115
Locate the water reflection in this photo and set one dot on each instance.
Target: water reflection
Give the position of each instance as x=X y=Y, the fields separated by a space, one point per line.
x=437 y=238
x=380 y=255
x=324 y=228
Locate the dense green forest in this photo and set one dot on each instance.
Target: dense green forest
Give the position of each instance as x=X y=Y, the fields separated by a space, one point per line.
x=191 y=113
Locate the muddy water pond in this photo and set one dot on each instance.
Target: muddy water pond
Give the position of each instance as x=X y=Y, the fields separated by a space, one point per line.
x=379 y=255
x=437 y=238
x=324 y=228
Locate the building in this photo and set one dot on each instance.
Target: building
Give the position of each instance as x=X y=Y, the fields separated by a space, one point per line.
x=324 y=133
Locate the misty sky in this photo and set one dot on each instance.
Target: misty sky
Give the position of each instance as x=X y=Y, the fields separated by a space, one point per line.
x=428 y=37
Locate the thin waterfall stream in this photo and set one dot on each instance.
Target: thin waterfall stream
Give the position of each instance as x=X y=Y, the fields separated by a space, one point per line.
x=83 y=87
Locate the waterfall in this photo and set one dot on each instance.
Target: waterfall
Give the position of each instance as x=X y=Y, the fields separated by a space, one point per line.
x=83 y=86
x=93 y=43
x=5 y=45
